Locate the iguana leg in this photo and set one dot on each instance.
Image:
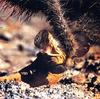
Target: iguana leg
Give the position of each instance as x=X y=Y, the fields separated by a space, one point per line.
x=54 y=78
x=51 y=78
x=15 y=76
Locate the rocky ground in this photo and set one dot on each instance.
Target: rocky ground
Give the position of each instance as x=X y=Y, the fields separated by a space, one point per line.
x=17 y=50
x=13 y=90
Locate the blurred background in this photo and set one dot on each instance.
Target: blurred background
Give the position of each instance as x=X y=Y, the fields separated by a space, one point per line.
x=17 y=41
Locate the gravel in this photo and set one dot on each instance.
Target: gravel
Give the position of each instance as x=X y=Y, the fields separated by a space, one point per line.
x=21 y=90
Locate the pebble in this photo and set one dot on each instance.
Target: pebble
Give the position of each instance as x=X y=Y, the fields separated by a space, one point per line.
x=12 y=90
x=4 y=65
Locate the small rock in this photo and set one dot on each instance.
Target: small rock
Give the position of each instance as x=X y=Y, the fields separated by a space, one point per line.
x=4 y=65
x=79 y=79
